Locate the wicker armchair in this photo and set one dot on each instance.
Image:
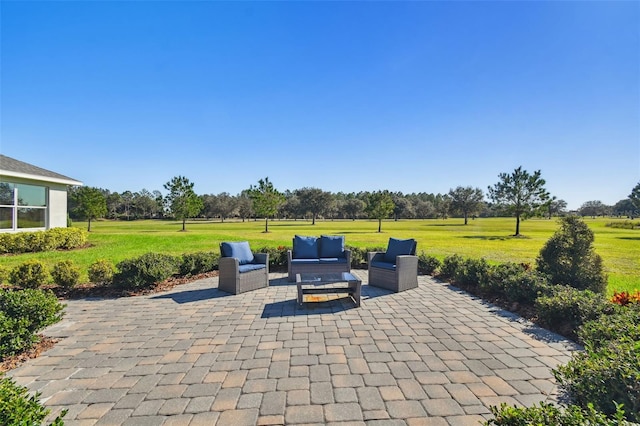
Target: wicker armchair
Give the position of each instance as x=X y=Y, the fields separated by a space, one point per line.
x=241 y=270
x=395 y=269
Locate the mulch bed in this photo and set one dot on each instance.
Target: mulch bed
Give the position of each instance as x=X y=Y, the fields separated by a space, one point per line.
x=15 y=361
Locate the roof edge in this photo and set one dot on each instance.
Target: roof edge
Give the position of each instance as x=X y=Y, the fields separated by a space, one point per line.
x=68 y=181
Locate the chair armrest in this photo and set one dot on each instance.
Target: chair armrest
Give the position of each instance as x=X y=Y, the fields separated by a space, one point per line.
x=289 y=255
x=228 y=264
x=261 y=258
x=375 y=256
x=347 y=255
x=406 y=261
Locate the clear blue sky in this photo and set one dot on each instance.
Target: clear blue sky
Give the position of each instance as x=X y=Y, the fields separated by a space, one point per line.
x=342 y=96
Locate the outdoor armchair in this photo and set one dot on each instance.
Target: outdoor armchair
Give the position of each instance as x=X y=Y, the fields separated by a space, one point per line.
x=241 y=270
x=395 y=269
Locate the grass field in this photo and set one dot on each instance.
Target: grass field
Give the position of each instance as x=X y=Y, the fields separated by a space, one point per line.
x=488 y=238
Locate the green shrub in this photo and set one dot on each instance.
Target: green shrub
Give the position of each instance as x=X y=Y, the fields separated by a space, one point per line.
x=71 y=238
x=29 y=274
x=145 y=271
x=568 y=257
x=37 y=241
x=492 y=282
x=450 y=266
x=198 y=263
x=65 y=273
x=471 y=272
x=101 y=272
x=359 y=255
x=623 y=322
x=4 y=275
x=605 y=376
x=23 y=313
x=525 y=286
x=565 y=309
x=549 y=414
x=17 y=407
x=428 y=264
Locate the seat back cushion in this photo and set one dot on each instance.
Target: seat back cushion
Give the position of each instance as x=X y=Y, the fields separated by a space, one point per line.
x=398 y=247
x=331 y=246
x=305 y=247
x=240 y=250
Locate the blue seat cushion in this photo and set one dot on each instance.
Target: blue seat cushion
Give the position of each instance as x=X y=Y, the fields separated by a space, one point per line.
x=384 y=265
x=251 y=267
x=305 y=247
x=305 y=261
x=399 y=248
x=331 y=246
x=333 y=260
x=240 y=250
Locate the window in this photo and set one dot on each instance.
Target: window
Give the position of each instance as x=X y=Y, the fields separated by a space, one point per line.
x=22 y=206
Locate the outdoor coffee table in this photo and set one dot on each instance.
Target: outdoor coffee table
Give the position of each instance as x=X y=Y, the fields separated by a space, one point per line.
x=336 y=283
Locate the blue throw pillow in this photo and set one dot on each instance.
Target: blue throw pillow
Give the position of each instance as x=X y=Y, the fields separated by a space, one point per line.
x=331 y=246
x=239 y=250
x=399 y=248
x=305 y=247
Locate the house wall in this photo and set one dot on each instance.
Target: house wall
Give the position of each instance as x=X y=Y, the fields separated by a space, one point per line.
x=56 y=216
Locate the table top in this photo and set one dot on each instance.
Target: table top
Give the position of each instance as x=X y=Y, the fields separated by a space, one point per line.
x=325 y=278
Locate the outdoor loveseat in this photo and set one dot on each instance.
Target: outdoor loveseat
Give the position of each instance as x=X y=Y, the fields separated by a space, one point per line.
x=395 y=269
x=318 y=255
x=241 y=270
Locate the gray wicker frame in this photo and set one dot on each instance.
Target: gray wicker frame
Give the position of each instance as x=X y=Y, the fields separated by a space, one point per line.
x=317 y=268
x=234 y=282
x=405 y=276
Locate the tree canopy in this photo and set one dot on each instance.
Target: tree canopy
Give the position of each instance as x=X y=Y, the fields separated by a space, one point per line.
x=314 y=201
x=380 y=206
x=466 y=200
x=265 y=199
x=90 y=204
x=182 y=201
x=519 y=193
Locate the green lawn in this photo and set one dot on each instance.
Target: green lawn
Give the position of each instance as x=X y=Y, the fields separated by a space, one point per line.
x=488 y=238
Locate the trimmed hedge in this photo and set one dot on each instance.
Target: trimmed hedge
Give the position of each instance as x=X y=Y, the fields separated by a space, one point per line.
x=549 y=414
x=37 y=241
x=65 y=273
x=29 y=274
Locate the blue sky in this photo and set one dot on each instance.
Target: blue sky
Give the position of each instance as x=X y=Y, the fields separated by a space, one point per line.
x=342 y=96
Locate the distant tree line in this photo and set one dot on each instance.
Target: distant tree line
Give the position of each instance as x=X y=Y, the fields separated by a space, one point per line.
x=517 y=194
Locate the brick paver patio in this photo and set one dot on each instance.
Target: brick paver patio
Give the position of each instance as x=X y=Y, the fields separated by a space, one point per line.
x=198 y=356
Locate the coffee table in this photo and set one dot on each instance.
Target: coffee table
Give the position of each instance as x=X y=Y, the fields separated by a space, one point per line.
x=335 y=283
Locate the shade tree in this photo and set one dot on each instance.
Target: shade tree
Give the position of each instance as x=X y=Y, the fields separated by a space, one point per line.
x=379 y=206
x=466 y=200
x=182 y=201
x=265 y=200
x=519 y=193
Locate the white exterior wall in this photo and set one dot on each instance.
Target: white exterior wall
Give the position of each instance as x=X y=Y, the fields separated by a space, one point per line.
x=57 y=212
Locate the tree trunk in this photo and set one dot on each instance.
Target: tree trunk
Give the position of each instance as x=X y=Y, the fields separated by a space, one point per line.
x=379 y=225
x=517 y=225
x=266 y=224
x=89 y=226
x=466 y=217
x=313 y=221
x=184 y=224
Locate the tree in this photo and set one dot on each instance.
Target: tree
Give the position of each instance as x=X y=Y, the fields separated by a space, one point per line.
x=442 y=206
x=635 y=198
x=245 y=205
x=555 y=206
x=313 y=200
x=266 y=200
x=568 y=257
x=379 y=206
x=182 y=201
x=466 y=200
x=353 y=207
x=519 y=193
x=90 y=204
x=593 y=209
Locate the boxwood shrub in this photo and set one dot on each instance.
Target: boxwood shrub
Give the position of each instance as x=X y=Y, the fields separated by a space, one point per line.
x=198 y=263
x=145 y=271
x=29 y=274
x=101 y=272
x=37 y=241
x=23 y=313
x=549 y=414
x=65 y=273
x=18 y=407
